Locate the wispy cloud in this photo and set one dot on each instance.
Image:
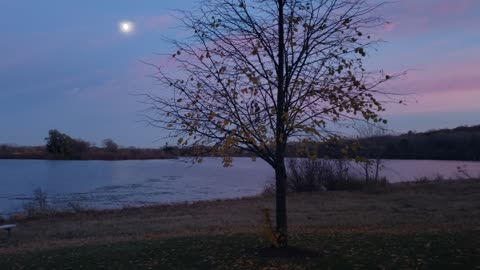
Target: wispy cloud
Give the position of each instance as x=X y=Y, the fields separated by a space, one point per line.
x=449 y=7
x=445 y=78
x=414 y=17
x=446 y=86
x=443 y=102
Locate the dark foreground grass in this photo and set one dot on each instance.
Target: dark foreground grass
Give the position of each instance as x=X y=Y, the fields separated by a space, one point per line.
x=453 y=250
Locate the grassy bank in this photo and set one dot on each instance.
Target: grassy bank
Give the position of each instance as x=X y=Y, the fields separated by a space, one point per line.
x=432 y=222
x=244 y=251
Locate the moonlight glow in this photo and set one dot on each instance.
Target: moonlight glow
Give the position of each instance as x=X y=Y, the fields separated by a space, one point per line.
x=126 y=27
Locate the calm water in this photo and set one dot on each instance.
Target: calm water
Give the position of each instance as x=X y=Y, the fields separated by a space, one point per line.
x=111 y=184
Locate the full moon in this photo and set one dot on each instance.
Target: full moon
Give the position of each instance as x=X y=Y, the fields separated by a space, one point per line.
x=126 y=27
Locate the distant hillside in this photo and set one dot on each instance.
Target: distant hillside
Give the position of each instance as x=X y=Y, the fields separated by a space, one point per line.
x=461 y=143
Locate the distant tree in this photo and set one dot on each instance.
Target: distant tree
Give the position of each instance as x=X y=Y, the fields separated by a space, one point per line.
x=3 y=148
x=79 y=148
x=168 y=149
x=61 y=145
x=58 y=143
x=258 y=73
x=110 y=145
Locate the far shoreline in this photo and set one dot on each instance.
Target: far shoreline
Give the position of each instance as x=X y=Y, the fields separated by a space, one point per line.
x=190 y=157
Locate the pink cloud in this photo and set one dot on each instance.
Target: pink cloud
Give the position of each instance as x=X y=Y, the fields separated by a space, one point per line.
x=449 y=7
x=414 y=17
x=389 y=27
x=446 y=86
x=455 y=101
x=445 y=77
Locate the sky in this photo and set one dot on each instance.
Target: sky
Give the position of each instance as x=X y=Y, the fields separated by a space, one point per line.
x=65 y=65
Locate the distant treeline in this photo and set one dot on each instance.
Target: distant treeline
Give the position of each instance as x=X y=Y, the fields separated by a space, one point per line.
x=92 y=153
x=461 y=143
x=63 y=147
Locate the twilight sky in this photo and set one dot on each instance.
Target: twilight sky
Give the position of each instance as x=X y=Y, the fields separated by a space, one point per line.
x=64 y=65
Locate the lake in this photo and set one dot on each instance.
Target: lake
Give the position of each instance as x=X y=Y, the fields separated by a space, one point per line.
x=113 y=184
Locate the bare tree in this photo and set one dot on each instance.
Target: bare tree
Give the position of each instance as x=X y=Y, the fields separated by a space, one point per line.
x=372 y=149
x=258 y=73
x=110 y=145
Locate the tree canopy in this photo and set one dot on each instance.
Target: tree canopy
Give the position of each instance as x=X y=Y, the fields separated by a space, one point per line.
x=255 y=74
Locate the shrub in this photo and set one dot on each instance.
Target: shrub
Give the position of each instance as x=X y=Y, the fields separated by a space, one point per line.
x=269 y=189
x=75 y=207
x=426 y=179
x=269 y=234
x=38 y=205
x=318 y=175
x=305 y=175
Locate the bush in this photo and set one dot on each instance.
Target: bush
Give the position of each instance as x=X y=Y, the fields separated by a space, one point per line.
x=305 y=175
x=38 y=205
x=318 y=175
x=76 y=207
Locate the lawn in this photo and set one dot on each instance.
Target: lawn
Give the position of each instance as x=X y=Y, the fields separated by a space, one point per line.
x=445 y=250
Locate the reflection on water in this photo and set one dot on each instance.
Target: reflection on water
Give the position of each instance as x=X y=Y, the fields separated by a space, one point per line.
x=112 y=184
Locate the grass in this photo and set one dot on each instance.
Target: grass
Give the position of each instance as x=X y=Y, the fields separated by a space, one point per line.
x=244 y=251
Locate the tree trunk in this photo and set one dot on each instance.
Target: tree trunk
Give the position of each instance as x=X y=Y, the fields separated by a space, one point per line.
x=281 y=138
x=281 y=201
x=377 y=169
x=367 y=168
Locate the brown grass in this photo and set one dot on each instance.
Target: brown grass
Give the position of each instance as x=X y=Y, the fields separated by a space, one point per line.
x=399 y=208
